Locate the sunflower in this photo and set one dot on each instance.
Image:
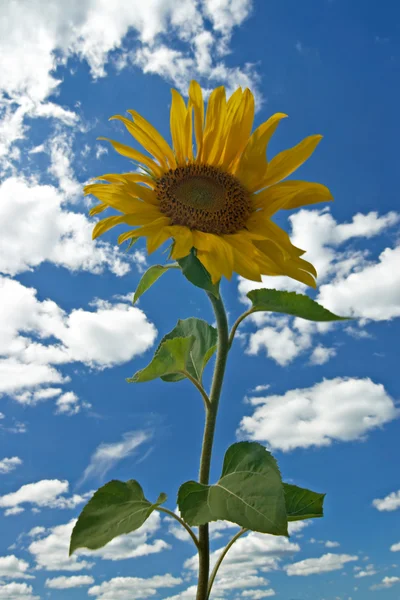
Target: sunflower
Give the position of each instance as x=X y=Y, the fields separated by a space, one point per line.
x=218 y=200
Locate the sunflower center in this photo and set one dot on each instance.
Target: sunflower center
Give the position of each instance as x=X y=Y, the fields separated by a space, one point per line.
x=204 y=198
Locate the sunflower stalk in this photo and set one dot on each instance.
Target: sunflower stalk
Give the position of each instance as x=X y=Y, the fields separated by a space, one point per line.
x=208 y=436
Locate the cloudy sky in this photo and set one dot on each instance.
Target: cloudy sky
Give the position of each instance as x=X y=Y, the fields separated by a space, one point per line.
x=324 y=399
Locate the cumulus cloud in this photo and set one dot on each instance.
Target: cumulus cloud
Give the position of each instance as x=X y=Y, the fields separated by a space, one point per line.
x=340 y=409
x=369 y=571
x=66 y=583
x=389 y=503
x=395 y=547
x=50 y=547
x=17 y=591
x=14 y=568
x=323 y=564
x=106 y=335
x=35 y=226
x=9 y=464
x=47 y=493
x=387 y=582
x=251 y=556
x=133 y=587
x=96 y=34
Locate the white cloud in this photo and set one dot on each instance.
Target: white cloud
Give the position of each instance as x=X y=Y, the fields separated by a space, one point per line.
x=15 y=510
x=61 y=158
x=395 y=547
x=66 y=583
x=17 y=591
x=258 y=594
x=369 y=571
x=329 y=544
x=107 y=455
x=387 y=582
x=372 y=293
x=51 y=549
x=323 y=564
x=9 y=464
x=94 y=33
x=36 y=531
x=36 y=227
x=389 y=503
x=250 y=554
x=106 y=335
x=342 y=409
x=119 y=588
x=13 y=567
x=321 y=354
x=47 y=493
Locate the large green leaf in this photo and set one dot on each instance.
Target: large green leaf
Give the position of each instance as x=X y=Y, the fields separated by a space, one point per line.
x=115 y=509
x=197 y=274
x=202 y=350
x=171 y=356
x=249 y=492
x=290 y=303
x=302 y=504
x=149 y=278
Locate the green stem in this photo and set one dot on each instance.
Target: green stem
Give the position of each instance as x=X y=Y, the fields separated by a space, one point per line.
x=181 y=521
x=221 y=558
x=208 y=437
x=199 y=387
x=237 y=323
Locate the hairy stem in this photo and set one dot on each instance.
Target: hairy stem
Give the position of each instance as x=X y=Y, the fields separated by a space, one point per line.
x=181 y=522
x=199 y=387
x=208 y=437
x=237 y=323
x=221 y=558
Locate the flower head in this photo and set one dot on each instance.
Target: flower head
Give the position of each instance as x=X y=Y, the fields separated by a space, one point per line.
x=218 y=200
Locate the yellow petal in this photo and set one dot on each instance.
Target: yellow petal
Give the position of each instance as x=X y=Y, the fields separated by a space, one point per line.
x=240 y=124
x=154 y=227
x=139 y=191
x=97 y=209
x=156 y=239
x=208 y=262
x=156 y=136
x=189 y=133
x=135 y=155
x=244 y=262
x=183 y=241
x=221 y=253
x=177 y=123
x=126 y=236
x=284 y=163
x=252 y=165
x=120 y=178
x=117 y=197
x=215 y=122
x=196 y=100
x=290 y=195
x=144 y=139
x=106 y=224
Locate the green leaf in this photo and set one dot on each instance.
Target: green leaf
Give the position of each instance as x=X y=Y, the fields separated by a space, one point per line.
x=149 y=278
x=197 y=274
x=202 y=350
x=290 y=303
x=171 y=356
x=249 y=492
x=116 y=508
x=302 y=503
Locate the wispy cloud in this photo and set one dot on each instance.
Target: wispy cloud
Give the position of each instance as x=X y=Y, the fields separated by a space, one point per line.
x=107 y=455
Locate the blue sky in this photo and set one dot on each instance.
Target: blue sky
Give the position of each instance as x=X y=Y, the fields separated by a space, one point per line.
x=69 y=336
